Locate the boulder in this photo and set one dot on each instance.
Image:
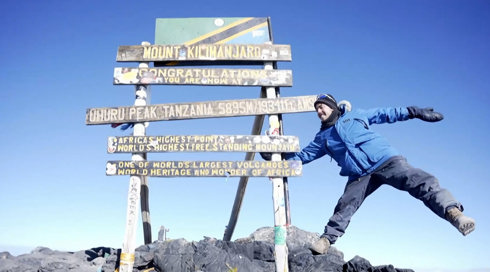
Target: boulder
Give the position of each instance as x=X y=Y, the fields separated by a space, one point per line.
x=254 y=253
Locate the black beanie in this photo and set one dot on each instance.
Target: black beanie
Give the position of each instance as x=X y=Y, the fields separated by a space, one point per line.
x=326 y=99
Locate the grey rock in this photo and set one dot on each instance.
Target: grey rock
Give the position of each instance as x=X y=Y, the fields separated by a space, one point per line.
x=43 y=259
x=254 y=253
x=5 y=255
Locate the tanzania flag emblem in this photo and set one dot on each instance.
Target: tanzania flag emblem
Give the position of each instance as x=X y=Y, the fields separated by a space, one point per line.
x=191 y=31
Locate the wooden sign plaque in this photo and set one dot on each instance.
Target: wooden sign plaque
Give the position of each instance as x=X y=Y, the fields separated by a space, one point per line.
x=203 y=143
x=195 y=110
x=205 y=168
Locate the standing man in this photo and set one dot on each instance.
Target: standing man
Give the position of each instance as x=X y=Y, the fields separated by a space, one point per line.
x=369 y=161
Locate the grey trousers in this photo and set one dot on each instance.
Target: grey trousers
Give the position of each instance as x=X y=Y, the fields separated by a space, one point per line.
x=397 y=173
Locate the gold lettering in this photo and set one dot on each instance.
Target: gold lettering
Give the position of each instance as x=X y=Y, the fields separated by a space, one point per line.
x=186 y=108
x=176 y=51
x=178 y=110
x=170 y=72
x=206 y=72
x=160 y=53
x=212 y=52
x=190 y=52
x=245 y=74
x=154 y=52
x=224 y=73
x=250 y=49
x=132 y=113
x=237 y=52
x=188 y=73
x=180 y=72
x=155 y=172
x=171 y=111
x=168 y=53
x=278 y=172
x=191 y=80
x=146 y=52
x=228 y=50
x=243 y=52
x=220 y=52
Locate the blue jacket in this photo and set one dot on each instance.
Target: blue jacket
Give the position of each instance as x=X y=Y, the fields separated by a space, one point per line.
x=352 y=144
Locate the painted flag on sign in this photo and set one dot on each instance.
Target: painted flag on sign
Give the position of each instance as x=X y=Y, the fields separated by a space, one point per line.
x=190 y=31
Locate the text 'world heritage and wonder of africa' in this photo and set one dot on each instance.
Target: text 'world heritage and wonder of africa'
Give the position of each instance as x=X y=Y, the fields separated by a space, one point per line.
x=205 y=168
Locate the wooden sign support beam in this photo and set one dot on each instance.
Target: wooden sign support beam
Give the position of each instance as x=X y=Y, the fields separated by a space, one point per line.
x=138 y=191
x=278 y=198
x=242 y=185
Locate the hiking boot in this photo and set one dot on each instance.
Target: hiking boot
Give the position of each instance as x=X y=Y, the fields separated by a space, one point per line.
x=320 y=246
x=463 y=223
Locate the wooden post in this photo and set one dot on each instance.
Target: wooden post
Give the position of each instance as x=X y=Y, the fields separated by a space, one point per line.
x=143 y=99
x=284 y=179
x=280 y=195
x=281 y=132
x=242 y=185
x=138 y=191
x=280 y=220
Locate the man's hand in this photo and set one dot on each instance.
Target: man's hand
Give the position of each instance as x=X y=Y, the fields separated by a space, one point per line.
x=425 y=114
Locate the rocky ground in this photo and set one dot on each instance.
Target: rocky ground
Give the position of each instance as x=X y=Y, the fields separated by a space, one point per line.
x=254 y=253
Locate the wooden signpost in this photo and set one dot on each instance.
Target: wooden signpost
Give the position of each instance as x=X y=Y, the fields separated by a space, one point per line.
x=138 y=193
x=202 y=76
x=196 y=110
x=205 y=52
x=205 y=168
x=204 y=42
x=278 y=191
x=203 y=143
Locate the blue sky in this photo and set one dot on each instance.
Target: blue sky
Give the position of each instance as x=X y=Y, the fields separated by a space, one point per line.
x=58 y=59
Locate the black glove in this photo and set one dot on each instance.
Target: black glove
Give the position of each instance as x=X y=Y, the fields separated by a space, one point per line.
x=425 y=114
x=267 y=156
